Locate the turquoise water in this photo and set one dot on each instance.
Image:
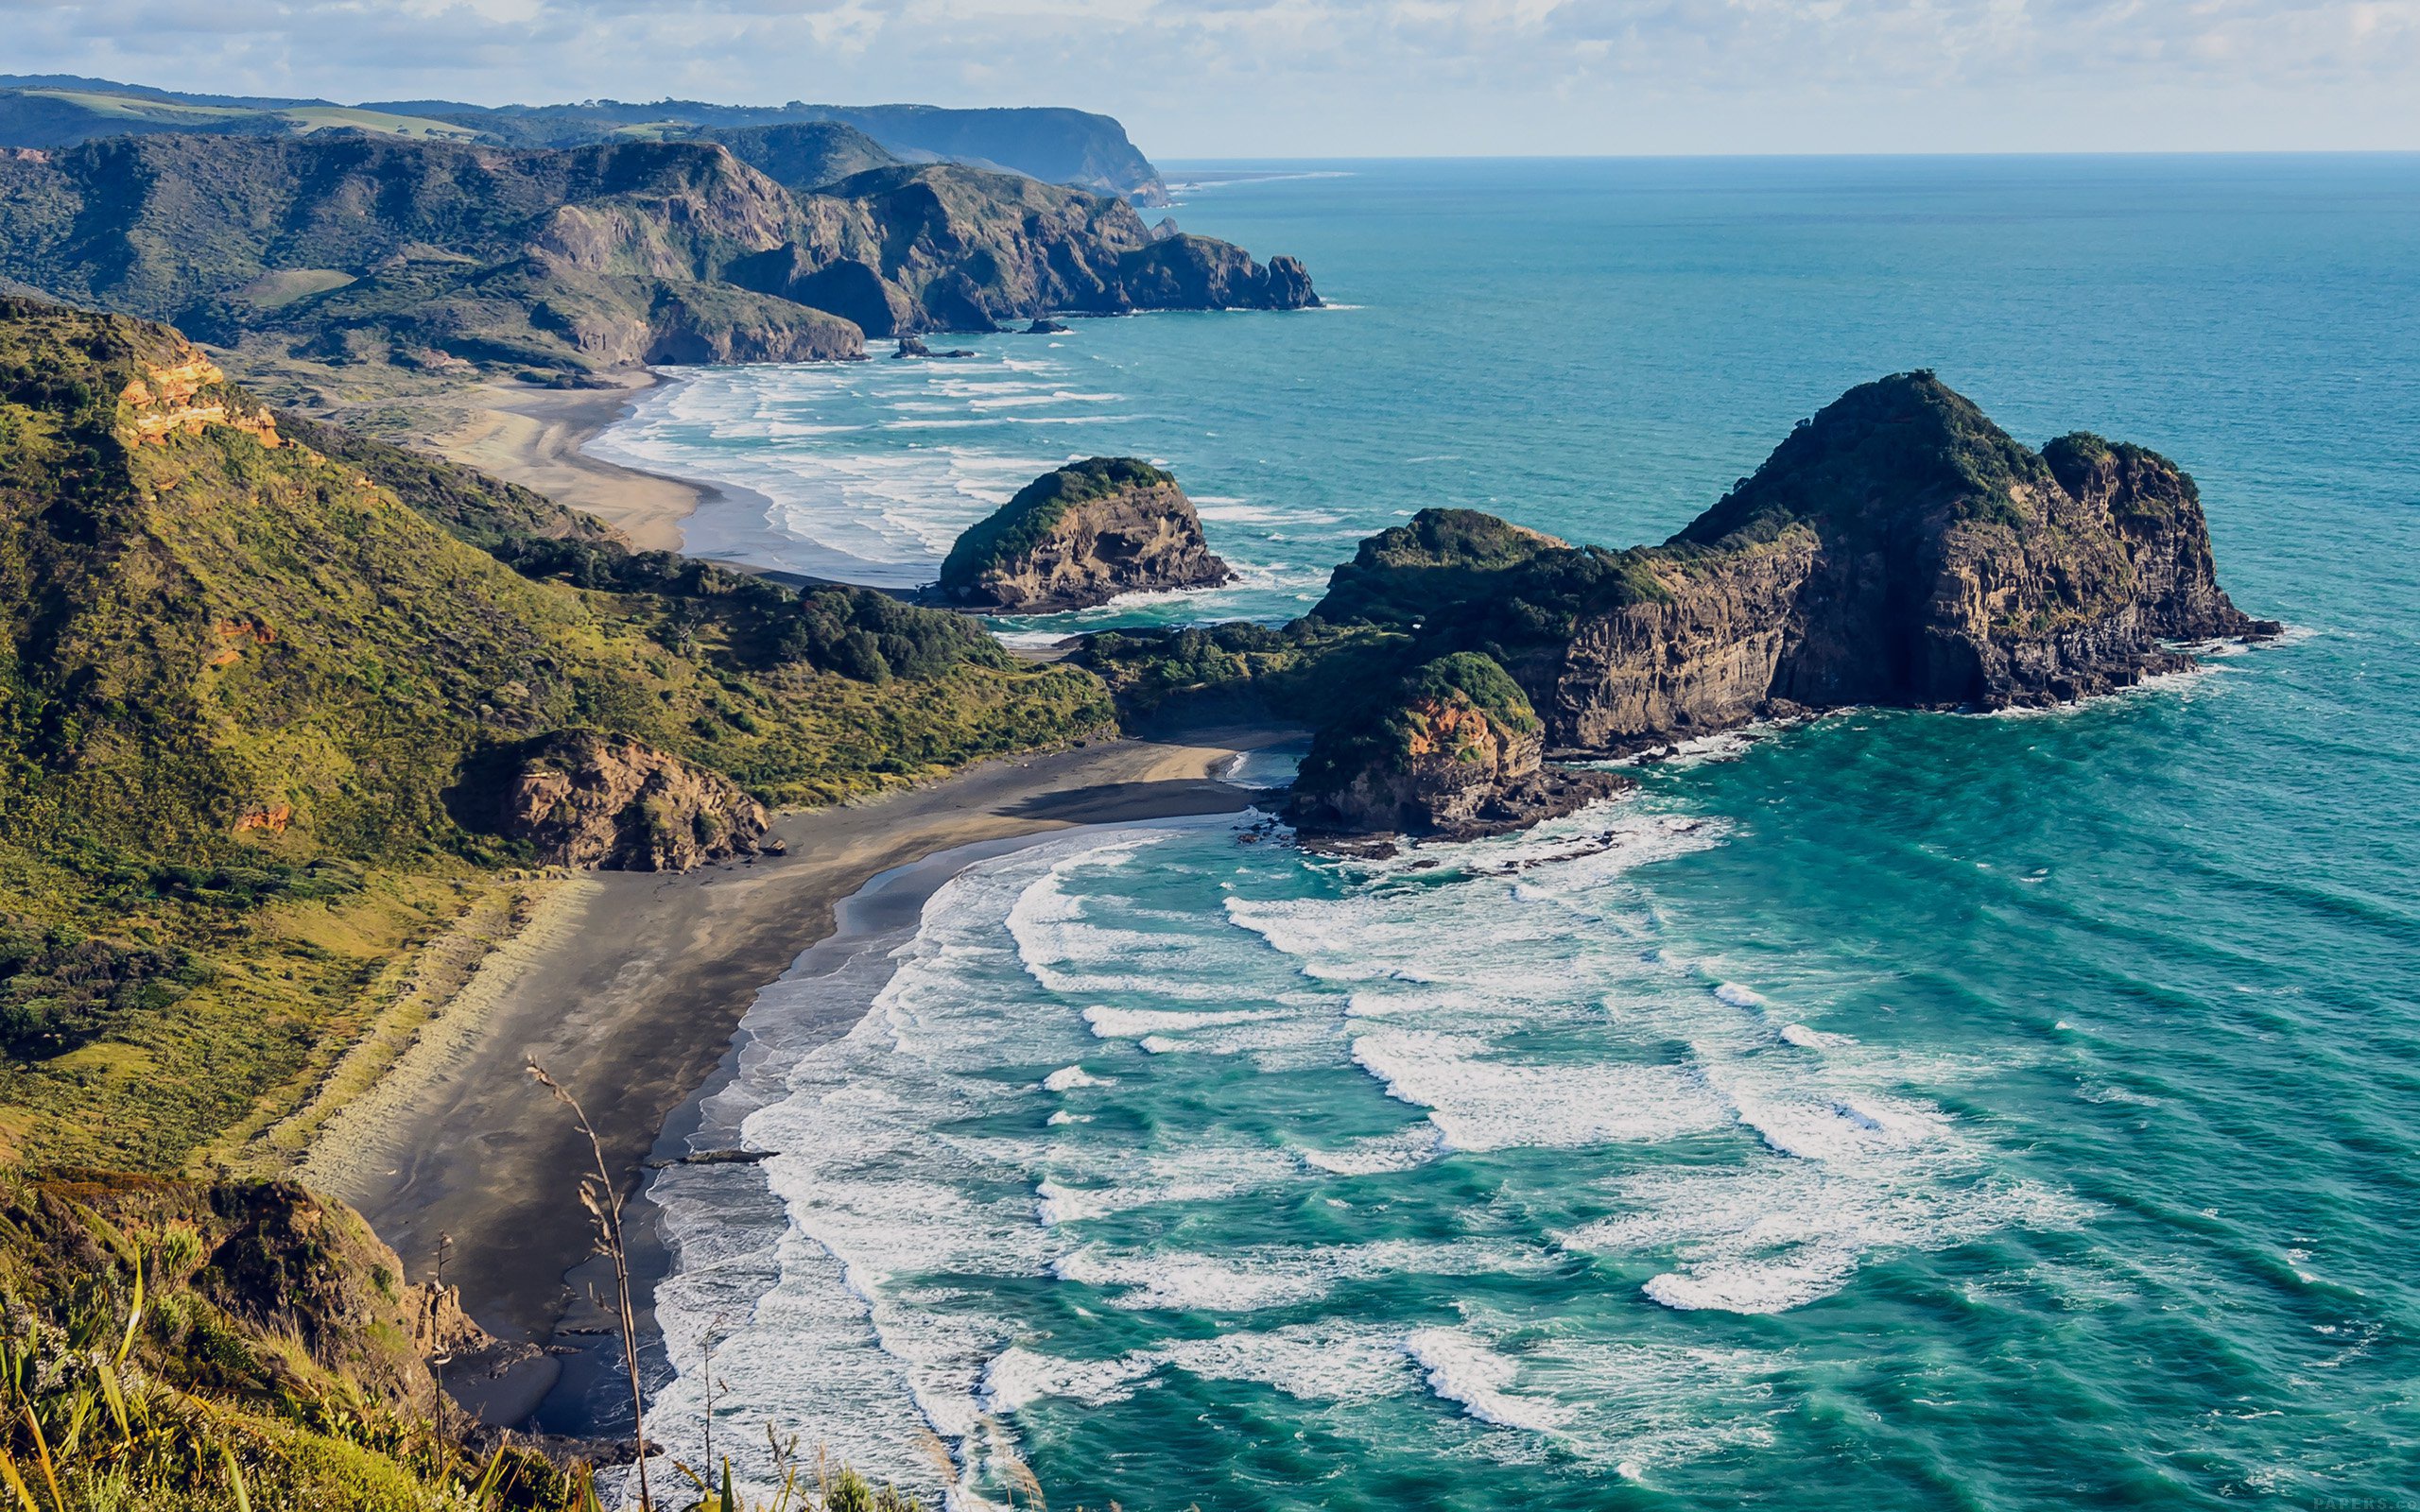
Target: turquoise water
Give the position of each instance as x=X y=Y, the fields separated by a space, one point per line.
x=1908 y=1111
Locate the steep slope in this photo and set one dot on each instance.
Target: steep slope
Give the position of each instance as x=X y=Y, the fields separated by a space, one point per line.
x=1451 y=753
x=1897 y=549
x=360 y=248
x=923 y=248
x=243 y=676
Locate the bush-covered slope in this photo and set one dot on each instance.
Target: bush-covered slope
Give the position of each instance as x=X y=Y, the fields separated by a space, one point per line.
x=249 y=694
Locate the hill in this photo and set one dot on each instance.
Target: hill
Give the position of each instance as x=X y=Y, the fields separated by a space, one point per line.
x=264 y=704
x=1057 y=146
x=354 y=248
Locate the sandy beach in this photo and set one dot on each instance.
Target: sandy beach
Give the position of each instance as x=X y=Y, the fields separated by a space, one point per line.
x=533 y=437
x=629 y=987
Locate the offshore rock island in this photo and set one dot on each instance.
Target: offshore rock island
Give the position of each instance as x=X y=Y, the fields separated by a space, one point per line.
x=1079 y=536
x=1898 y=549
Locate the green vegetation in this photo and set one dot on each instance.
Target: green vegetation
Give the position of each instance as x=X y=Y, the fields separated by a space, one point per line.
x=1464 y=706
x=247 y=692
x=1906 y=446
x=1017 y=526
x=188 y=1347
x=559 y=265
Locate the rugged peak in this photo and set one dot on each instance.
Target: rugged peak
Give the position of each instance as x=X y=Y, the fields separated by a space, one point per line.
x=1904 y=447
x=1899 y=549
x=1082 y=536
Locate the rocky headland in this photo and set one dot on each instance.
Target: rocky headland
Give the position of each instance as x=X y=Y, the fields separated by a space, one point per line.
x=1897 y=549
x=1081 y=536
x=1452 y=753
x=566 y=266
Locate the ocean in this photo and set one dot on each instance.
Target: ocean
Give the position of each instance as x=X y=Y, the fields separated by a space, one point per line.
x=1904 y=1110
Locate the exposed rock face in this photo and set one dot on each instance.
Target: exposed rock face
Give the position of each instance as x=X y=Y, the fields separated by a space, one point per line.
x=1188 y=272
x=590 y=800
x=1455 y=754
x=1897 y=549
x=1082 y=536
x=189 y=396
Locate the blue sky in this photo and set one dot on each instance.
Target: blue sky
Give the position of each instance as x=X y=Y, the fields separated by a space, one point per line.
x=1352 y=78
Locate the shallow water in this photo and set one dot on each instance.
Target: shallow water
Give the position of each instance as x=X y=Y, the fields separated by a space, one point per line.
x=1917 y=1111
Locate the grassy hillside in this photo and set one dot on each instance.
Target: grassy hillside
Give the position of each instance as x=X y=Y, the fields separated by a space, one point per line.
x=247 y=690
x=215 y=1346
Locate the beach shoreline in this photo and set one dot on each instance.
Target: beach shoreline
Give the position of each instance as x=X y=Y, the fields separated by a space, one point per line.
x=629 y=987
x=538 y=438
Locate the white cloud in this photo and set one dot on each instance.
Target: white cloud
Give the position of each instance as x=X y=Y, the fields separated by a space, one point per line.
x=1346 y=76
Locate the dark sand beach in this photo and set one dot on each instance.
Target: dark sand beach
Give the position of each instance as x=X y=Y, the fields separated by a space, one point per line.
x=628 y=988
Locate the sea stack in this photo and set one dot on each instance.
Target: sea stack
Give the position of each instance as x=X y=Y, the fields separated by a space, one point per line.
x=1082 y=536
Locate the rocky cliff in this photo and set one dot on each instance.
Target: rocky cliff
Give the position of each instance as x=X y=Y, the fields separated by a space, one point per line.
x=1452 y=753
x=1897 y=549
x=1082 y=536
x=582 y=798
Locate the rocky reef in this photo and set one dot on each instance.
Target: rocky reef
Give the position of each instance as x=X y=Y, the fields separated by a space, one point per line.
x=582 y=798
x=1452 y=753
x=1082 y=536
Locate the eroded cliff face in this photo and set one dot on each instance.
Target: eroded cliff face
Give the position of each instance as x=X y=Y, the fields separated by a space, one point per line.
x=189 y=394
x=1082 y=536
x=1898 y=549
x=588 y=800
x=913 y=248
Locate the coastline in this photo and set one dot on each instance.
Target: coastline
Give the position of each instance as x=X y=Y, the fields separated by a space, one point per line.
x=534 y=437
x=631 y=987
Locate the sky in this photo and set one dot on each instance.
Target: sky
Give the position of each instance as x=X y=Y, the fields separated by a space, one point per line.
x=1349 y=78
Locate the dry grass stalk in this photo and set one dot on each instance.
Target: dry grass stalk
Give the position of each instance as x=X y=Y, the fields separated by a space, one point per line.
x=602 y=1198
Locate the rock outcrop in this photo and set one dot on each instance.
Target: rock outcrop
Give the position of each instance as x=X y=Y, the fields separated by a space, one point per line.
x=1454 y=753
x=1897 y=549
x=1082 y=536
x=582 y=798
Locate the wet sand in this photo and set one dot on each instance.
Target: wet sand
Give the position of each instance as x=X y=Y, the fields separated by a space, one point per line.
x=629 y=987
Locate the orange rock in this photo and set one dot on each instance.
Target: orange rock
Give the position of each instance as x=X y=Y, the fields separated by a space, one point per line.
x=273 y=818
